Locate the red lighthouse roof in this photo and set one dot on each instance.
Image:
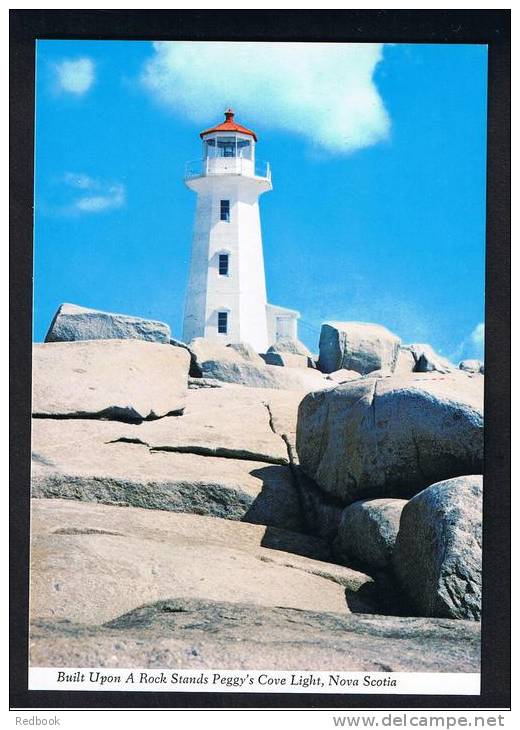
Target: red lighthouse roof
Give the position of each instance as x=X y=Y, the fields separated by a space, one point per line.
x=229 y=125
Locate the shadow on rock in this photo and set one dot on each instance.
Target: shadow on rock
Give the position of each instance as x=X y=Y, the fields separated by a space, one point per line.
x=278 y=503
x=297 y=543
x=382 y=597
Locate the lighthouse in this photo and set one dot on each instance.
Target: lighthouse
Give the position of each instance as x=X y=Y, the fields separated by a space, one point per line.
x=226 y=298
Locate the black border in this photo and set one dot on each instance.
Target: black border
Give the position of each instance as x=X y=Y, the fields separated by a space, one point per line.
x=491 y=27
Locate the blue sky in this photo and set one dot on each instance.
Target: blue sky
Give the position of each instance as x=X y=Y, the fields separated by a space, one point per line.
x=378 y=159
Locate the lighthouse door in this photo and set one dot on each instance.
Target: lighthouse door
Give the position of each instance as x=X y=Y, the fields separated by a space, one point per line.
x=283 y=327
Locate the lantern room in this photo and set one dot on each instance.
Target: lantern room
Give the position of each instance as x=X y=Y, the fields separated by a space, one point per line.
x=228 y=145
x=228 y=148
x=228 y=139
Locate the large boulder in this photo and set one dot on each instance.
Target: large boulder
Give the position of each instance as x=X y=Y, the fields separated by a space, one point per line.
x=406 y=361
x=288 y=345
x=367 y=532
x=472 y=366
x=286 y=359
x=72 y=322
x=267 y=376
x=205 y=349
x=421 y=358
x=438 y=551
x=358 y=346
x=93 y=562
x=234 y=364
x=378 y=437
x=246 y=352
x=429 y=361
x=343 y=376
x=116 y=379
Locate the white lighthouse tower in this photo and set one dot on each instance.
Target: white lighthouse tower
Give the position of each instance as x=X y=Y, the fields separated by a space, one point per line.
x=226 y=297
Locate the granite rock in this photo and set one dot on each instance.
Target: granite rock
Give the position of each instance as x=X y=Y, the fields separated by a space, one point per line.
x=391 y=437
x=128 y=380
x=71 y=323
x=191 y=633
x=438 y=551
x=367 y=532
x=358 y=346
x=90 y=563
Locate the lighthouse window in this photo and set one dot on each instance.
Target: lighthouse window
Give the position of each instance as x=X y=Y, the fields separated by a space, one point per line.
x=227 y=146
x=222 y=323
x=244 y=148
x=224 y=210
x=210 y=148
x=223 y=264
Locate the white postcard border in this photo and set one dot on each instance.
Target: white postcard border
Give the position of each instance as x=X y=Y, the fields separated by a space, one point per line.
x=260 y=681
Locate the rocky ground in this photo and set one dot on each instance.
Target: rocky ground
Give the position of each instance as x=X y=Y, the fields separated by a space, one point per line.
x=206 y=506
x=194 y=633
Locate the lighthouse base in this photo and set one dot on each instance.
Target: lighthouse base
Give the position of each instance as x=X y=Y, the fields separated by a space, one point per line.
x=282 y=323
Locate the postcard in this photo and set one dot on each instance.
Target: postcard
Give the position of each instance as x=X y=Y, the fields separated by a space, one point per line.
x=258 y=367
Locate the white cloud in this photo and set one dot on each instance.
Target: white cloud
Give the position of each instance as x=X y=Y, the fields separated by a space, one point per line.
x=75 y=77
x=114 y=197
x=472 y=346
x=79 y=193
x=325 y=92
x=79 y=180
x=477 y=336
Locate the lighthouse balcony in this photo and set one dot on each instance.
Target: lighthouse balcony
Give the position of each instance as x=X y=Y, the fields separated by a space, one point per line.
x=228 y=166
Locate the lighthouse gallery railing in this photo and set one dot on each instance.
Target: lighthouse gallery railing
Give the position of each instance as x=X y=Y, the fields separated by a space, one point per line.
x=227 y=166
